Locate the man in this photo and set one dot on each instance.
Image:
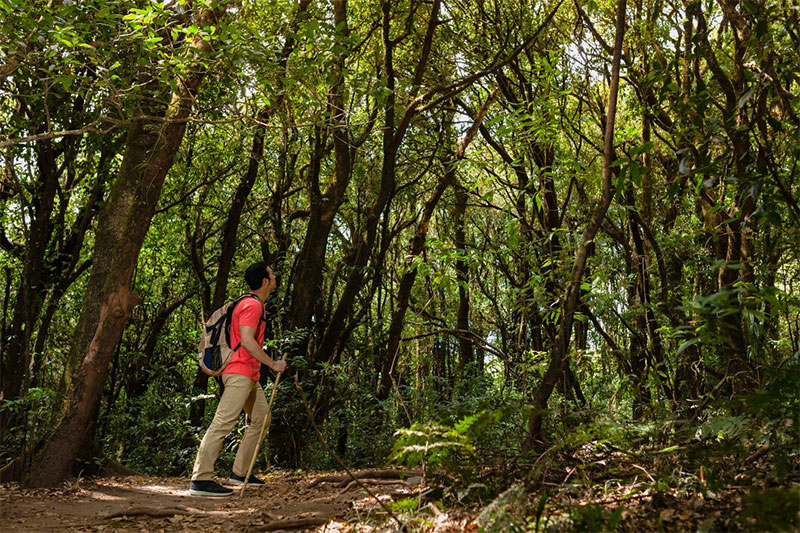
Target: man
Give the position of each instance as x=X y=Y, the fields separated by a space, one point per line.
x=242 y=390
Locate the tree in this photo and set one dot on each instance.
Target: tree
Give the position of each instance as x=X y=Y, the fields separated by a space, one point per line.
x=149 y=152
x=572 y=290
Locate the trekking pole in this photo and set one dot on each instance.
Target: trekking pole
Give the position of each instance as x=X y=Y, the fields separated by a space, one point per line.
x=264 y=426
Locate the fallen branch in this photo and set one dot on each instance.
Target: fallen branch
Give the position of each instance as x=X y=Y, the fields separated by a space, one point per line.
x=354 y=483
x=389 y=473
x=488 y=516
x=761 y=452
x=645 y=471
x=410 y=493
x=435 y=510
x=13 y=471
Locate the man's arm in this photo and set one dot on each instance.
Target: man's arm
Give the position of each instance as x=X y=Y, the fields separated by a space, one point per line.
x=248 y=336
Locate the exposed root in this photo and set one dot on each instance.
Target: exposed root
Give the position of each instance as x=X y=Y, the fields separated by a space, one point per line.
x=293 y=523
x=154 y=512
x=115 y=468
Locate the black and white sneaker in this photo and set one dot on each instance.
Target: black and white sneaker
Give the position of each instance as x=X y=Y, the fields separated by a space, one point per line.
x=206 y=487
x=239 y=480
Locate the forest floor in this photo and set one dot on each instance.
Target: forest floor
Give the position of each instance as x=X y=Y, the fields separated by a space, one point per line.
x=307 y=502
x=138 y=503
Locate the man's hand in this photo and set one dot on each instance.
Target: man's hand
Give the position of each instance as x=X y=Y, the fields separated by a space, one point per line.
x=279 y=366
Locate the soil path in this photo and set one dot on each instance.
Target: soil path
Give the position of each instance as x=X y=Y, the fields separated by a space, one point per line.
x=163 y=504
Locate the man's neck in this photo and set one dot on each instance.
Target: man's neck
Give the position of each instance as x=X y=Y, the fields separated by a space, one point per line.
x=261 y=294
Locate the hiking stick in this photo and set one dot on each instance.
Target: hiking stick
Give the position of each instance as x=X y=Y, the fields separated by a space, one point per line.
x=264 y=426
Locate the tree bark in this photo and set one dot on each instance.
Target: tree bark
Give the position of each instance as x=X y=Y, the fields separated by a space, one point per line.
x=231 y=227
x=230 y=231
x=305 y=300
x=393 y=135
x=66 y=270
x=733 y=234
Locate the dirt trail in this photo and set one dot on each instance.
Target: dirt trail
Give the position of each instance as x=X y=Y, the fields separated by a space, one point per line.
x=164 y=504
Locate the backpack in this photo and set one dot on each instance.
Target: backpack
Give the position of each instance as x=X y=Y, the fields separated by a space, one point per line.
x=215 y=351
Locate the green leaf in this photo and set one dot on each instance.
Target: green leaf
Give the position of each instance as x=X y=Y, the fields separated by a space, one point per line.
x=66 y=82
x=620 y=184
x=682 y=347
x=669 y=449
x=636 y=174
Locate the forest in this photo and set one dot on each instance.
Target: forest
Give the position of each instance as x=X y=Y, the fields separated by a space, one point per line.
x=539 y=260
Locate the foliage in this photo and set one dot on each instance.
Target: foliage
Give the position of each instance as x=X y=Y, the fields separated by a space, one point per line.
x=776 y=509
x=35 y=409
x=327 y=143
x=429 y=445
x=595 y=518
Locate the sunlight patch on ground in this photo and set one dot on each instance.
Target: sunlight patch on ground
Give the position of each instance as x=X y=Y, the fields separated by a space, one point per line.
x=336 y=526
x=161 y=489
x=333 y=526
x=368 y=503
x=101 y=496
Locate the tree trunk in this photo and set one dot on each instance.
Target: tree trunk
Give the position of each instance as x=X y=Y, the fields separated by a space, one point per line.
x=230 y=231
x=561 y=347
x=232 y=222
x=393 y=135
x=465 y=351
x=123 y=224
x=324 y=205
x=389 y=358
x=733 y=237
x=16 y=353
x=65 y=270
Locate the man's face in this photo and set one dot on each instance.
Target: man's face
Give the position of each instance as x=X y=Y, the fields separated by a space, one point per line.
x=270 y=281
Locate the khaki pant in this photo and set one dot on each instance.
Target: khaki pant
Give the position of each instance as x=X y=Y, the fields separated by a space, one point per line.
x=240 y=393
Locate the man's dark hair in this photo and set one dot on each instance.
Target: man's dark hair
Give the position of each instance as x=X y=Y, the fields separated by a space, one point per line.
x=255 y=273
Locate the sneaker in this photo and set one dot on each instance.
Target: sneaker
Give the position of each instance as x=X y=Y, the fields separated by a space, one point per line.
x=206 y=487
x=239 y=480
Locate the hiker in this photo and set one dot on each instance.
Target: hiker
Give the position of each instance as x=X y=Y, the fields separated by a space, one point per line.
x=242 y=389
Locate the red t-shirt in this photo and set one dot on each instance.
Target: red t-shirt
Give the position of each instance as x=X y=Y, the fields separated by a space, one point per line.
x=248 y=313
